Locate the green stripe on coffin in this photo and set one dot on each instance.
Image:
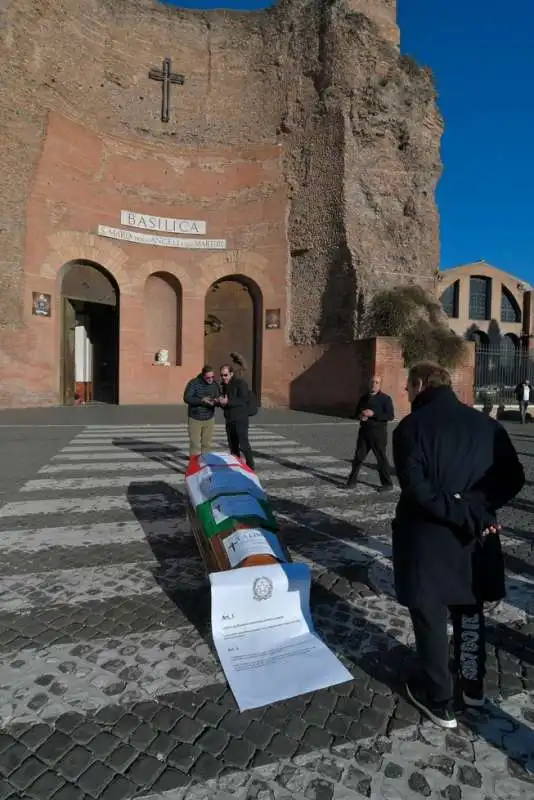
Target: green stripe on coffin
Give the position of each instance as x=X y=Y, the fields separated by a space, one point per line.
x=226 y=512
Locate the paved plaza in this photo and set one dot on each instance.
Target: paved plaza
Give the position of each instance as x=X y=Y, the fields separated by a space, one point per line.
x=109 y=687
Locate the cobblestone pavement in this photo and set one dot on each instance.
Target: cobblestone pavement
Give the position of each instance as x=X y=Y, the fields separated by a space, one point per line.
x=109 y=688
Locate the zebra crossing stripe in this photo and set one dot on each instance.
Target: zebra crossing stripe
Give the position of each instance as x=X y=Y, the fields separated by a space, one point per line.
x=147 y=464
x=99 y=534
x=89 y=505
x=140 y=447
x=119 y=481
x=99 y=672
x=31 y=590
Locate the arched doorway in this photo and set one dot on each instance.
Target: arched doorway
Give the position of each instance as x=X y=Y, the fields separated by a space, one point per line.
x=90 y=304
x=233 y=325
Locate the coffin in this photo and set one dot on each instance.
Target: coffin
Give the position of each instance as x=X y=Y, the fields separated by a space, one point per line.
x=230 y=514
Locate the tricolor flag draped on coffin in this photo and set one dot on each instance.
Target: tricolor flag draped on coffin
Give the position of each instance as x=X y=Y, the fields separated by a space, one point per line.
x=260 y=601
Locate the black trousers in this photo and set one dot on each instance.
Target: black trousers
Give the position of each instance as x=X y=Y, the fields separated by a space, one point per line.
x=237 y=434
x=432 y=642
x=372 y=436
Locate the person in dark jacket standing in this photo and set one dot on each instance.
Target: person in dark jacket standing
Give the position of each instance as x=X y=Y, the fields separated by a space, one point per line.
x=374 y=410
x=235 y=403
x=200 y=396
x=523 y=393
x=456 y=467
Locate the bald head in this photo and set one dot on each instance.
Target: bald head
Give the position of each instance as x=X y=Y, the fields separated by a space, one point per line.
x=376 y=384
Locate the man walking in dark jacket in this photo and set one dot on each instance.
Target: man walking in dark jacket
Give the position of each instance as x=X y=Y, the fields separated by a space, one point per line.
x=200 y=396
x=235 y=402
x=523 y=393
x=455 y=468
x=374 y=410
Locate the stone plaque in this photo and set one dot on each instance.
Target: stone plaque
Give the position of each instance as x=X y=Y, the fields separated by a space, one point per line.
x=153 y=224
x=161 y=241
x=272 y=319
x=41 y=304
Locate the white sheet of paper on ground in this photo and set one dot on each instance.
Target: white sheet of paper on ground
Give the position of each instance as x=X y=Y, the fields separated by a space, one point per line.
x=252 y=542
x=264 y=636
x=209 y=482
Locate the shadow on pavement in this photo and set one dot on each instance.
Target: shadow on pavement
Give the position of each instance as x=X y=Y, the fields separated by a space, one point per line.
x=366 y=638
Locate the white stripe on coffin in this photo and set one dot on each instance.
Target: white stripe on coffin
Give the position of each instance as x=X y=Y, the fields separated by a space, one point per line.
x=34 y=540
x=174 y=479
x=148 y=464
x=32 y=590
x=90 y=675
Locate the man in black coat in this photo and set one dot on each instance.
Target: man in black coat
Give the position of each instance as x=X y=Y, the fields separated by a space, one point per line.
x=374 y=410
x=235 y=401
x=456 y=467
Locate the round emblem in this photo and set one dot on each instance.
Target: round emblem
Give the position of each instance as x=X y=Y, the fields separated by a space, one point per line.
x=262 y=588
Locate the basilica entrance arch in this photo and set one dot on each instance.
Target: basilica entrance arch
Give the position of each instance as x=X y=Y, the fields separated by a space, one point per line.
x=90 y=303
x=233 y=325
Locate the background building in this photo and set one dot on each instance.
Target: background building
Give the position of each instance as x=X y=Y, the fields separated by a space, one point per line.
x=496 y=311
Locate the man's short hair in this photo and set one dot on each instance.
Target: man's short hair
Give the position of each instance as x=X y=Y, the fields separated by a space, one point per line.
x=227 y=367
x=430 y=374
x=207 y=368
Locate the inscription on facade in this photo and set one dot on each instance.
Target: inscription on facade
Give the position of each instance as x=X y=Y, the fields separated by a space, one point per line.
x=161 y=241
x=149 y=222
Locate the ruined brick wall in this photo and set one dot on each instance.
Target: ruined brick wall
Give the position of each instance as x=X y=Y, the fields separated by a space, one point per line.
x=357 y=125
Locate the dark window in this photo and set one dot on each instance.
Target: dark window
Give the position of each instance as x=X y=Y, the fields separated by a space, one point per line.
x=479 y=298
x=509 y=350
x=449 y=300
x=510 y=311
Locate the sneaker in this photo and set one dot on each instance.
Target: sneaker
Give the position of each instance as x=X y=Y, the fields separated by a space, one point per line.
x=473 y=694
x=440 y=714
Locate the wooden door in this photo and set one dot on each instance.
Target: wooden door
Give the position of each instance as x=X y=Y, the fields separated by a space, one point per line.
x=68 y=371
x=230 y=326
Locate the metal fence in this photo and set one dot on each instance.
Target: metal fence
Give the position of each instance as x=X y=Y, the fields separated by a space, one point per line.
x=498 y=370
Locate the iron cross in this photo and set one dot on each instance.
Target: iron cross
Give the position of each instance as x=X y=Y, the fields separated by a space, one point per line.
x=166 y=76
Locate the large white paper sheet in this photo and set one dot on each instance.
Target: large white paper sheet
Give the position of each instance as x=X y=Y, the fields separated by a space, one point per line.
x=264 y=636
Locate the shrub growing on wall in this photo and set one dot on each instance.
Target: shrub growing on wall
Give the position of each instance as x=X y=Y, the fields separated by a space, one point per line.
x=416 y=318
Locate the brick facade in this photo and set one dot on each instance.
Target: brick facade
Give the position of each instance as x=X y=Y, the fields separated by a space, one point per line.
x=274 y=140
x=339 y=375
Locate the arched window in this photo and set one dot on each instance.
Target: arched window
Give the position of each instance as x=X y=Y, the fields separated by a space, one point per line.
x=163 y=316
x=479 y=298
x=449 y=299
x=510 y=311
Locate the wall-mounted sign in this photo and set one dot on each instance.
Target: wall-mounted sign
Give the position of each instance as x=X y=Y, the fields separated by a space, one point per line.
x=161 y=241
x=272 y=319
x=150 y=223
x=41 y=304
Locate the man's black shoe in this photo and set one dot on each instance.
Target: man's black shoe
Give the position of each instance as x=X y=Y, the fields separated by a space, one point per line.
x=351 y=482
x=440 y=714
x=387 y=487
x=473 y=694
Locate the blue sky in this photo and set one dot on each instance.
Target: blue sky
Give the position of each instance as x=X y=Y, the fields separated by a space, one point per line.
x=479 y=53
